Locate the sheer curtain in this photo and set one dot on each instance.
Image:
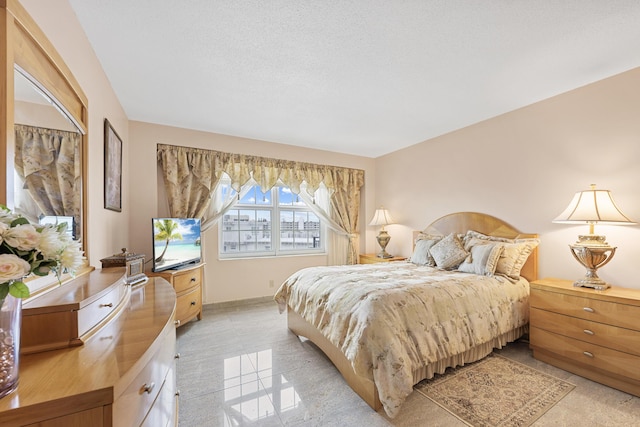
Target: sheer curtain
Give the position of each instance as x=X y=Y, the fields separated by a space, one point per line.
x=192 y=177
x=223 y=198
x=337 y=238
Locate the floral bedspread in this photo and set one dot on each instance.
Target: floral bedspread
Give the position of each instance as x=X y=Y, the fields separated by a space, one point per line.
x=390 y=319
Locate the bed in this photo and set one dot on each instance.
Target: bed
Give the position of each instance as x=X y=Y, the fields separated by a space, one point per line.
x=387 y=326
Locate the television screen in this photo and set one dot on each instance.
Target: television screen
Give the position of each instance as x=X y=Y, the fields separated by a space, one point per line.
x=176 y=243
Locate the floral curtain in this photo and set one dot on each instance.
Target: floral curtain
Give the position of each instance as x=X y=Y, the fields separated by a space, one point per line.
x=47 y=163
x=191 y=176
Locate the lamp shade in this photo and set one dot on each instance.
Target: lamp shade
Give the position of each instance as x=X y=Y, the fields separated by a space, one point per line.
x=382 y=217
x=593 y=206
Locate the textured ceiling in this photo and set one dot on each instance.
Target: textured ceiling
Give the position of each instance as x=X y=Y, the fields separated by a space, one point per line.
x=363 y=77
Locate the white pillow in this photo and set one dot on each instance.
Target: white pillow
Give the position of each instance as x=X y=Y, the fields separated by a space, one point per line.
x=514 y=256
x=421 y=255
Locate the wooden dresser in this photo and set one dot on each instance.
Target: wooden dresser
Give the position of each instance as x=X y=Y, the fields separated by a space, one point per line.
x=595 y=334
x=122 y=375
x=187 y=283
x=373 y=258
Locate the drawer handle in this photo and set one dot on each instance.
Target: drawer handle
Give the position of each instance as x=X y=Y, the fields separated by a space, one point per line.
x=107 y=305
x=588 y=309
x=193 y=303
x=193 y=279
x=589 y=332
x=588 y=354
x=148 y=388
x=177 y=323
x=177 y=356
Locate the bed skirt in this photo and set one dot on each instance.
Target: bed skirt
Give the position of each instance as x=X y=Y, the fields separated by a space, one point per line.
x=472 y=355
x=365 y=387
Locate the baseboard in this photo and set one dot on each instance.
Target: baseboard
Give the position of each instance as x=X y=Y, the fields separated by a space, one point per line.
x=239 y=303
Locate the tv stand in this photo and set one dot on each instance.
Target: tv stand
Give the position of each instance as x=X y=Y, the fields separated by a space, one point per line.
x=187 y=282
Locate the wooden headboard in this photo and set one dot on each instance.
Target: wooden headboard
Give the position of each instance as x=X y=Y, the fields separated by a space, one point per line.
x=461 y=222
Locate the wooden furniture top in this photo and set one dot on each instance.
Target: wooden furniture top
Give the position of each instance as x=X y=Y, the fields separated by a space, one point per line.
x=84 y=290
x=461 y=222
x=54 y=381
x=376 y=258
x=613 y=294
x=173 y=272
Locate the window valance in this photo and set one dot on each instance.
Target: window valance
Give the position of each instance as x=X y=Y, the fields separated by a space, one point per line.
x=192 y=174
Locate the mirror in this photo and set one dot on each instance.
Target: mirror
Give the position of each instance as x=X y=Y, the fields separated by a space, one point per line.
x=43 y=132
x=47 y=178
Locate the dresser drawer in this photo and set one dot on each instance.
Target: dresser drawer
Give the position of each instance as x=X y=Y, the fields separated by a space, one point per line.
x=163 y=411
x=618 y=314
x=92 y=314
x=189 y=305
x=614 y=363
x=622 y=339
x=133 y=405
x=186 y=280
x=67 y=315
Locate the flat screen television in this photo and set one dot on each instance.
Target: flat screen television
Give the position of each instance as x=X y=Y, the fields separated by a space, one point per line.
x=176 y=243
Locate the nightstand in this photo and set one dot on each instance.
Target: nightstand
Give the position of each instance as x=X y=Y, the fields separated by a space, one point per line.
x=187 y=283
x=594 y=334
x=373 y=258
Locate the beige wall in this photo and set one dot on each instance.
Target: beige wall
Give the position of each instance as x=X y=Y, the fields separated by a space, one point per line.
x=225 y=280
x=524 y=167
x=108 y=230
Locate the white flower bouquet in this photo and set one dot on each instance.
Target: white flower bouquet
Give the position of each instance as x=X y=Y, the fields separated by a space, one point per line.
x=27 y=249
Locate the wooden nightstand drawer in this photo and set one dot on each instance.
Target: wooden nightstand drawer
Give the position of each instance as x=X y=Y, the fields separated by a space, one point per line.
x=591 y=333
x=622 y=339
x=188 y=305
x=618 y=314
x=187 y=280
x=188 y=284
x=614 y=363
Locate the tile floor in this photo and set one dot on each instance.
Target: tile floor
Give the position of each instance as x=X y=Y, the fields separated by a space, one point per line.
x=241 y=366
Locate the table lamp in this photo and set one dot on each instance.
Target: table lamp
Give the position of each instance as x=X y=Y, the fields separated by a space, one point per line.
x=591 y=250
x=382 y=217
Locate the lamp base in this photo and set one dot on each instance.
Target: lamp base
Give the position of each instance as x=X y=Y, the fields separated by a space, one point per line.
x=383 y=240
x=598 y=285
x=592 y=258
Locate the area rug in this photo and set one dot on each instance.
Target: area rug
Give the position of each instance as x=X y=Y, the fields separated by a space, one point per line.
x=495 y=391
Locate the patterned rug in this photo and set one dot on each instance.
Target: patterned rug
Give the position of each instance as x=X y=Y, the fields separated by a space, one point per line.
x=495 y=391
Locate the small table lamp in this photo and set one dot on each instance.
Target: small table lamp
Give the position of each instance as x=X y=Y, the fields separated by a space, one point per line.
x=591 y=250
x=382 y=217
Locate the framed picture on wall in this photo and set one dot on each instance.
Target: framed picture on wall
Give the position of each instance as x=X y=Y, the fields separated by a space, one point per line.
x=112 y=168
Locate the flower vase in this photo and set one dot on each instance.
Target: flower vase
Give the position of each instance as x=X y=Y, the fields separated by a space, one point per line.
x=10 y=319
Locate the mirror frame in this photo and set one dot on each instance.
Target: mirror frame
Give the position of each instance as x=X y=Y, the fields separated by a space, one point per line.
x=24 y=46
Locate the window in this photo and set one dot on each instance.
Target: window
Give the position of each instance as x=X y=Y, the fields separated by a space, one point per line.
x=274 y=223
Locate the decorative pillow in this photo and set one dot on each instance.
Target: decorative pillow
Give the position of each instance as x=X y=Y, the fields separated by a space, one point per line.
x=426 y=236
x=483 y=259
x=471 y=234
x=421 y=255
x=448 y=252
x=469 y=243
x=514 y=256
